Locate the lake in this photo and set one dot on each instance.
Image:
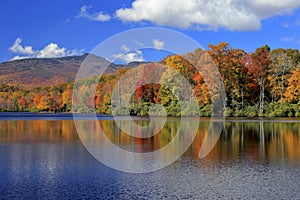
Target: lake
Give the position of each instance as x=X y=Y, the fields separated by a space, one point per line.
x=42 y=157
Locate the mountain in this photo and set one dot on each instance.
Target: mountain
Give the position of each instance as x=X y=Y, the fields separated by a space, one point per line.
x=36 y=72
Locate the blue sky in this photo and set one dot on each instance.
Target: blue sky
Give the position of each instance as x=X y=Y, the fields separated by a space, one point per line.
x=52 y=28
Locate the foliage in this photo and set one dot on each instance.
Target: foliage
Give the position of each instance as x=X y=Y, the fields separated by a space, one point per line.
x=262 y=83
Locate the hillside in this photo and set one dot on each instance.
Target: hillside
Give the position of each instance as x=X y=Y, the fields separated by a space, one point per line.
x=35 y=72
x=263 y=83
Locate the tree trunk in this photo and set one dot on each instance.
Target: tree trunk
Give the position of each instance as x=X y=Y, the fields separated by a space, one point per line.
x=261 y=96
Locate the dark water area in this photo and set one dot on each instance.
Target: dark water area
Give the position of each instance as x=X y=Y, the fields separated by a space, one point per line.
x=45 y=159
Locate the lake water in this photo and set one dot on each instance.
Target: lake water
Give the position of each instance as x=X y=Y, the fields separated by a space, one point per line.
x=44 y=158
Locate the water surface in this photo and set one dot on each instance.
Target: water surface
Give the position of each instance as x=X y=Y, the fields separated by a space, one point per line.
x=45 y=159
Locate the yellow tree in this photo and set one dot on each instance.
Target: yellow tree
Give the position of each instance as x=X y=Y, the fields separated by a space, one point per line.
x=191 y=74
x=44 y=103
x=292 y=93
x=67 y=99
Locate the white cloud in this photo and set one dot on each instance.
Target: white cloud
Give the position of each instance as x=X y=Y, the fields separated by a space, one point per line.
x=67 y=21
x=287 y=39
x=136 y=55
x=286 y=25
x=234 y=15
x=19 y=57
x=96 y=16
x=18 y=48
x=138 y=43
x=125 y=48
x=51 y=50
x=158 y=44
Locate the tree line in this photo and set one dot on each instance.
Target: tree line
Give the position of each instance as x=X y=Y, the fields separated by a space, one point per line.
x=261 y=83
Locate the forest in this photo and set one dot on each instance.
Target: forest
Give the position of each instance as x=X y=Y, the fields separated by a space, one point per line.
x=264 y=83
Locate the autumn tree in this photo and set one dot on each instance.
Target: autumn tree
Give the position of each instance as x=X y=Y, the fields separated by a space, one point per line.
x=230 y=63
x=258 y=66
x=147 y=92
x=284 y=61
x=177 y=82
x=44 y=103
x=66 y=99
x=292 y=93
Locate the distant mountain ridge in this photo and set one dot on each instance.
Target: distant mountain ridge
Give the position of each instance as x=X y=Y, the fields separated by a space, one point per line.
x=39 y=72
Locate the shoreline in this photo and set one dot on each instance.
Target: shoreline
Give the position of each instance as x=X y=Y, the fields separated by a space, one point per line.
x=89 y=116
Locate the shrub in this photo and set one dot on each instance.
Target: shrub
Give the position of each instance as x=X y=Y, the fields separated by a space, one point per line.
x=250 y=111
x=206 y=111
